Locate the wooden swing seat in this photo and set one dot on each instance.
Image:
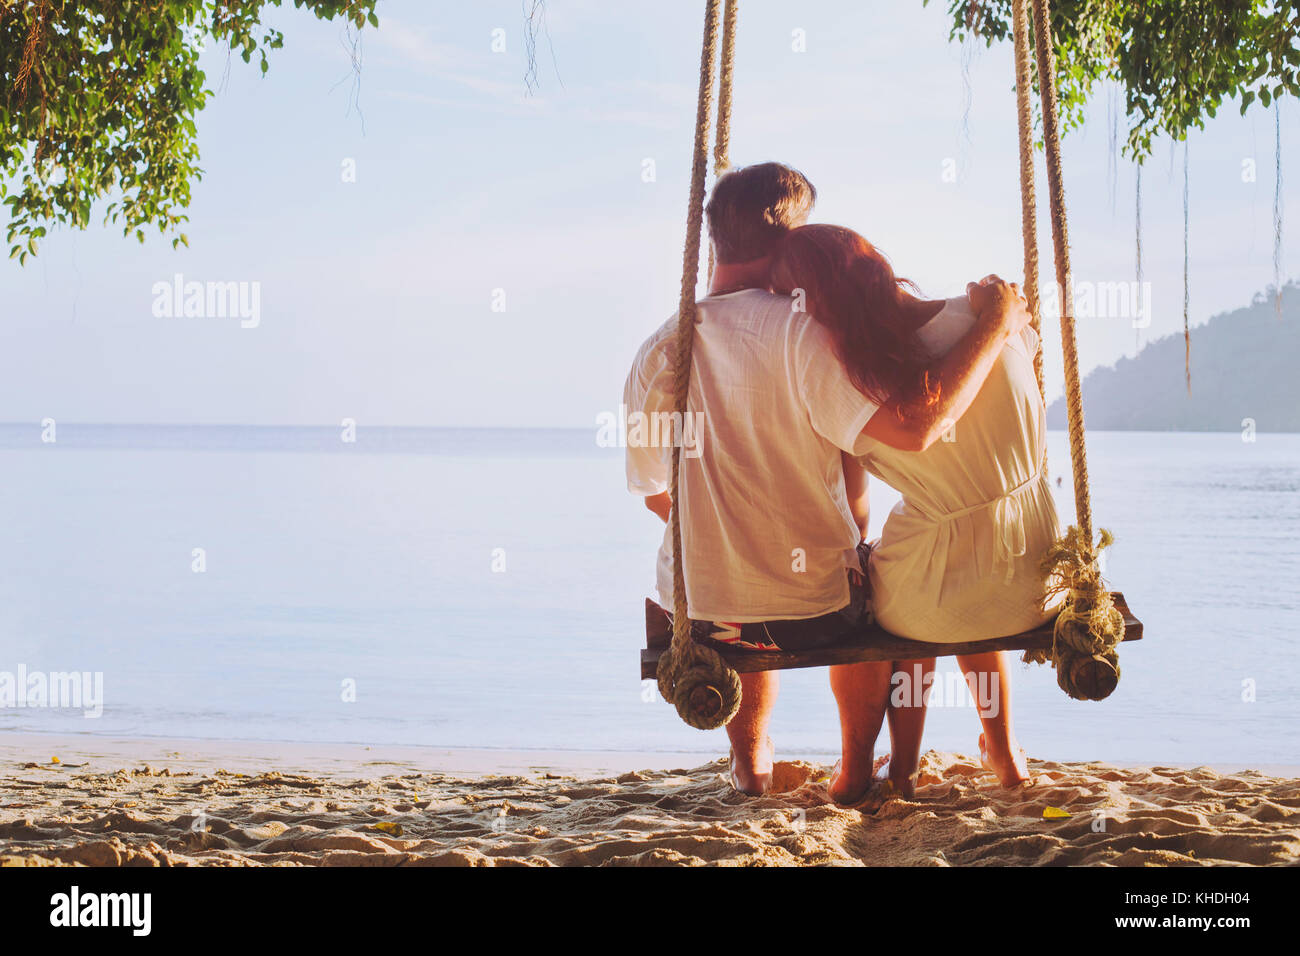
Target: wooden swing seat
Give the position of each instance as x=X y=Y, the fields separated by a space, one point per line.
x=870 y=643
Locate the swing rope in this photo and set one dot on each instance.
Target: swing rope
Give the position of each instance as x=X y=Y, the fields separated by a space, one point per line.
x=1089 y=626
x=1028 y=201
x=694 y=678
x=722 y=137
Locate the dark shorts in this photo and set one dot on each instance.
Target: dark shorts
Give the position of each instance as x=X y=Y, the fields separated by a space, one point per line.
x=803 y=634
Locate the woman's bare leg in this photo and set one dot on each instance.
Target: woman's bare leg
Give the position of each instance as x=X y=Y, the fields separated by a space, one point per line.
x=910 y=687
x=751 y=747
x=989 y=678
x=862 y=692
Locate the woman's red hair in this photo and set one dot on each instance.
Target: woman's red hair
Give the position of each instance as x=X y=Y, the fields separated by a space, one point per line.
x=850 y=288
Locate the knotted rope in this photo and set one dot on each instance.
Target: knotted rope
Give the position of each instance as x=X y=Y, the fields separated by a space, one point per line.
x=1089 y=627
x=699 y=683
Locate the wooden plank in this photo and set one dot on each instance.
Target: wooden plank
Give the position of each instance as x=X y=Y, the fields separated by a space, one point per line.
x=658 y=626
x=870 y=644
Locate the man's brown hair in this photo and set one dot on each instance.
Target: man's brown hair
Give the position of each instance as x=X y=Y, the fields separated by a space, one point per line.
x=753 y=207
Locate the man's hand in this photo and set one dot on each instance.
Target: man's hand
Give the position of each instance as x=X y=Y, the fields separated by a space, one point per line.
x=661 y=504
x=996 y=301
x=1001 y=312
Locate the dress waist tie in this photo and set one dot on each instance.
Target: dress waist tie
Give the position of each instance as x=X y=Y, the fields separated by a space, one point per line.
x=1009 y=520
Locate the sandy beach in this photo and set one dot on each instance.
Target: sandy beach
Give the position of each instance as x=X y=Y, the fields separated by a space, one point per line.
x=84 y=801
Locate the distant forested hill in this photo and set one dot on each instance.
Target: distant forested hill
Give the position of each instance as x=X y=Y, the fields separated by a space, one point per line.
x=1245 y=364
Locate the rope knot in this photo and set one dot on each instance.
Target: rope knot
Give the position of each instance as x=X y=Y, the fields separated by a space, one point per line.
x=699 y=683
x=1089 y=627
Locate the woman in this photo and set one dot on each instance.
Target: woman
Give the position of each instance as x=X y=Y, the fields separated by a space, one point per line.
x=958 y=557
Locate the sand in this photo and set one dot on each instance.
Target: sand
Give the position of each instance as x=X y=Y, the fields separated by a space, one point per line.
x=163 y=803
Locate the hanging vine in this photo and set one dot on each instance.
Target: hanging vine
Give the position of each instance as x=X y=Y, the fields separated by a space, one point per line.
x=1187 y=274
x=1277 y=208
x=1137 y=239
x=1112 y=146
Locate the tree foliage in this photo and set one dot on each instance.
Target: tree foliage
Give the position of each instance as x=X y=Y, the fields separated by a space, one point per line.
x=99 y=98
x=1176 y=60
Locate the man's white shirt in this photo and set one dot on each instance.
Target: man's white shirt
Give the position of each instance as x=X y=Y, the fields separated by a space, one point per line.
x=766 y=527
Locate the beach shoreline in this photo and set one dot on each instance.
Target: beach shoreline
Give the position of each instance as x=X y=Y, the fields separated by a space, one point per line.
x=331 y=759
x=85 y=800
x=354 y=759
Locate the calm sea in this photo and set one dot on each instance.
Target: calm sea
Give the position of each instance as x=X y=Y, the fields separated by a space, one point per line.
x=484 y=588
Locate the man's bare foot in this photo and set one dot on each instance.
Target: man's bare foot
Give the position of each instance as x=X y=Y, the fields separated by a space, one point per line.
x=847 y=790
x=753 y=777
x=1010 y=766
x=904 y=785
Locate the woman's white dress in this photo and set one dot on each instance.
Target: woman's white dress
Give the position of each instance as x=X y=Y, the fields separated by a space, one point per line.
x=959 y=555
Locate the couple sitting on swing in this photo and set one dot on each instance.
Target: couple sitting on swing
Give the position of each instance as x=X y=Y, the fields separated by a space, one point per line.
x=814 y=365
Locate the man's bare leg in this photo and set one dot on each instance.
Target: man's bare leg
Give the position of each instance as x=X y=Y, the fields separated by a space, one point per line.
x=751 y=748
x=909 y=691
x=989 y=678
x=862 y=693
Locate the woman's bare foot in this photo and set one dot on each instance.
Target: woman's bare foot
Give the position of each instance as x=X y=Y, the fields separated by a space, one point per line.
x=1009 y=765
x=903 y=785
x=753 y=777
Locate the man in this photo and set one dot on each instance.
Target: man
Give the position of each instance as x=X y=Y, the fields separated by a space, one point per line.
x=769 y=540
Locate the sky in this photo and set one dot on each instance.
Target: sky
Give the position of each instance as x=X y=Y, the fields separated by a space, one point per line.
x=430 y=243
